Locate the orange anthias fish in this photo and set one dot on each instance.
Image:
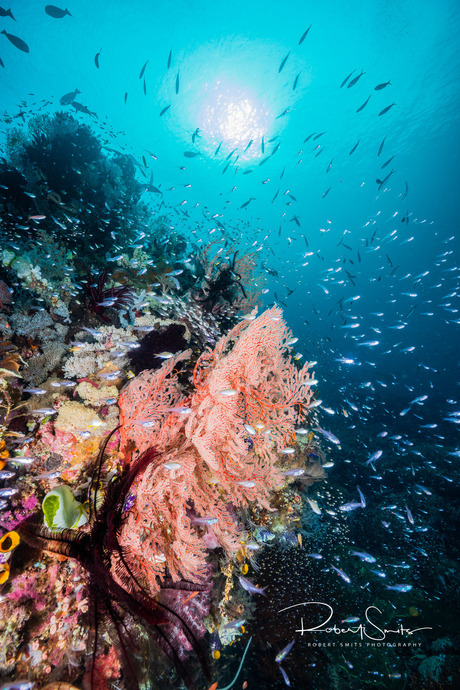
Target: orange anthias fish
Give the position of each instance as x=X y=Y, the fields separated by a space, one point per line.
x=193 y=594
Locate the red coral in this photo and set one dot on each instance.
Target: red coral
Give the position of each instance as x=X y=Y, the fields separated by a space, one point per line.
x=106 y=668
x=249 y=396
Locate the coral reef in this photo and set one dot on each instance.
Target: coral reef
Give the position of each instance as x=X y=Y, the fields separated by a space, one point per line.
x=224 y=444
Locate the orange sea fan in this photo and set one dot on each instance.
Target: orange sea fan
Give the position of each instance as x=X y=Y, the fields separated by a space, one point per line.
x=226 y=452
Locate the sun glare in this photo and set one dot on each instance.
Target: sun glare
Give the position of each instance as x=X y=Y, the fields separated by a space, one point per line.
x=235 y=118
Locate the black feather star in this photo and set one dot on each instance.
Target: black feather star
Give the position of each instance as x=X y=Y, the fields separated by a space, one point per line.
x=121 y=601
x=99 y=299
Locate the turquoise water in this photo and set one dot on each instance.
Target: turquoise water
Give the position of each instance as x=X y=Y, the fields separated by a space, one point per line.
x=337 y=248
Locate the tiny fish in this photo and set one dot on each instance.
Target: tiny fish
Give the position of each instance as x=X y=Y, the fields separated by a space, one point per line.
x=247 y=484
x=297 y=472
x=45 y=411
x=366 y=557
x=17 y=42
x=329 y=435
x=96 y=59
x=165 y=355
x=285 y=676
x=6 y=13
x=4 y=493
x=381 y=147
x=168 y=64
x=177 y=83
x=385 y=110
x=375 y=456
x=283 y=62
x=111 y=376
x=34 y=391
x=353 y=505
x=6 y=474
x=56 y=12
x=250 y=587
x=191 y=154
x=304 y=36
x=314 y=506
x=143 y=70
x=399 y=588
x=165 y=110
x=409 y=515
x=316 y=556
x=172 y=465
x=343 y=575
x=204 y=520
x=228 y=392
x=361 y=107
x=354 y=148
x=379 y=87
x=284 y=652
x=288 y=451
x=346 y=79
x=355 y=80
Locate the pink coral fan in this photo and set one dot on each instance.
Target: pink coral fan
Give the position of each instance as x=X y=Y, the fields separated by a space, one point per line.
x=218 y=448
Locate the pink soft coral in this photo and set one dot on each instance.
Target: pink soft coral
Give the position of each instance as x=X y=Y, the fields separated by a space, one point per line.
x=249 y=396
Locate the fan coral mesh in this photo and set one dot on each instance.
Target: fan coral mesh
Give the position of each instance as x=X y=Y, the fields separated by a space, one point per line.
x=217 y=448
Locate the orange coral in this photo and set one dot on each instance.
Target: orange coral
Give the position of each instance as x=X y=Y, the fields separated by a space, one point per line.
x=217 y=449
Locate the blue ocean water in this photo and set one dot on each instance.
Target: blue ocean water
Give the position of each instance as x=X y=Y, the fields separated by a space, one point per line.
x=291 y=163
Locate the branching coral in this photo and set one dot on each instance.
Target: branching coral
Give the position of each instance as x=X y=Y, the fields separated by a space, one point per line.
x=220 y=447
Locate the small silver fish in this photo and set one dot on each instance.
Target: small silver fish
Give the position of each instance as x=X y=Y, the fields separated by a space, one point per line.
x=204 y=520
x=247 y=484
x=22 y=460
x=172 y=465
x=296 y=472
x=347 y=507
x=375 y=456
x=4 y=493
x=284 y=652
x=165 y=355
x=366 y=557
x=343 y=575
x=34 y=391
x=228 y=392
x=250 y=587
x=329 y=435
x=45 y=411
